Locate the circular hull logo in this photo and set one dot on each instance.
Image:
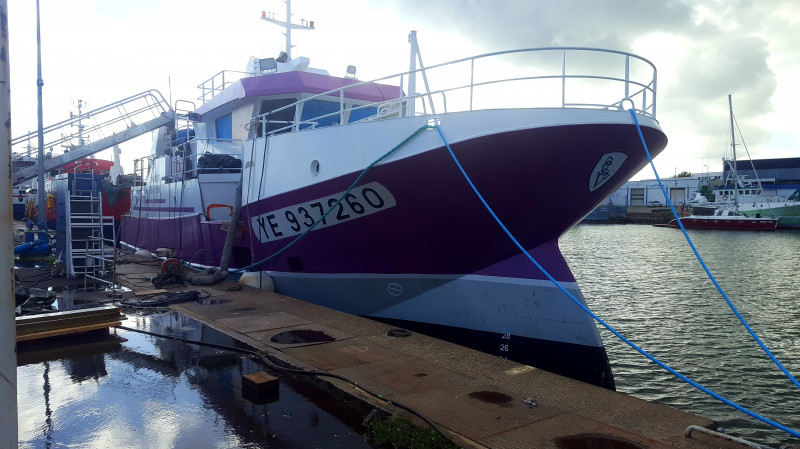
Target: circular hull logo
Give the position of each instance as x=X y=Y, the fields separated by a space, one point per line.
x=394 y=289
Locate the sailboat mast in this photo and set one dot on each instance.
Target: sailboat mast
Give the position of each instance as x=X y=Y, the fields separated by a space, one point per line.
x=733 y=146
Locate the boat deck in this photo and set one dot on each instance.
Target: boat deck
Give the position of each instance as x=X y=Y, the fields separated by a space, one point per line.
x=480 y=400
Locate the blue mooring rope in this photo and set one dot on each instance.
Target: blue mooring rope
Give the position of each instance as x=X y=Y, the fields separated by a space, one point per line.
x=595 y=317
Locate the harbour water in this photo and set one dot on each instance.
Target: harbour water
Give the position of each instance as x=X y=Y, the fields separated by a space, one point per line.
x=642 y=280
x=647 y=283
x=130 y=390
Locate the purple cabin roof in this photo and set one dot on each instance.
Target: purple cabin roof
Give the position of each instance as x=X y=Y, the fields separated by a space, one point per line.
x=299 y=82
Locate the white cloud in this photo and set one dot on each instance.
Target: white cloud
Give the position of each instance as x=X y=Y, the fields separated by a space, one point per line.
x=101 y=51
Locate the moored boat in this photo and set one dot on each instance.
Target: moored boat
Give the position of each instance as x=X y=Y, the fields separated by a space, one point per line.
x=350 y=198
x=19 y=193
x=748 y=197
x=115 y=197
x=785 y=209
x=728 y=213
x=726 y=219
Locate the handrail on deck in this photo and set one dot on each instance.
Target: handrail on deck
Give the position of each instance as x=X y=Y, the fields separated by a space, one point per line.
x=218 y=83
x=638 y=92
x=106 y=119
x=186 y=165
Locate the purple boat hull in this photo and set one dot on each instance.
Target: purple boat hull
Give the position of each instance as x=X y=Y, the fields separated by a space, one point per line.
x=533 y=182
x=416 y=222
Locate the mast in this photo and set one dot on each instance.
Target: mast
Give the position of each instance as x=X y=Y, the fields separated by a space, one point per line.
x=80 y=125
x=288 y=27
x=40 y=196
x=733 y=146
x=288 y=32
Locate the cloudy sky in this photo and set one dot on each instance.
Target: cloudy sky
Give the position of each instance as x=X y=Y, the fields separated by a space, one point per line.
x=103 y=50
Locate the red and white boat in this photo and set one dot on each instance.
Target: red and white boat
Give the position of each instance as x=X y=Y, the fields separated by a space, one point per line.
x=727 y=219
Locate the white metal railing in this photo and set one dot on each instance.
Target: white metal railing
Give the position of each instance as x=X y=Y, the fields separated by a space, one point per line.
x=93 y=125
x=218 y=83
x=190 y=159
x=583 y=78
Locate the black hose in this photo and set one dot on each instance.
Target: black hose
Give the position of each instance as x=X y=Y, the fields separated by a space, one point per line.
x=303 y=372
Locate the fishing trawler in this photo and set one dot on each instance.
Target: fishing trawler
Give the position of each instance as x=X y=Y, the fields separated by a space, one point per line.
x=350 y=198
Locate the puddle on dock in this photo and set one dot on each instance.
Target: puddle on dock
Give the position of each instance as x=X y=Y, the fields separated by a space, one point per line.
x=212 y=301
x=492 y=397
x=60 y=299
x=597 y=440
x=297 y=336
x=44 y=293
x=127 y=389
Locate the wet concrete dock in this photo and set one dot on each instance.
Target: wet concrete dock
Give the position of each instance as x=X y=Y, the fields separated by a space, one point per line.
x=478 y=399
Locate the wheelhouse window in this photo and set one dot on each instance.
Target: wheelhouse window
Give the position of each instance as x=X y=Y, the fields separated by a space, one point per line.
x=361 y=113
x=279 y=119
x=224 y=127
x=314 y=110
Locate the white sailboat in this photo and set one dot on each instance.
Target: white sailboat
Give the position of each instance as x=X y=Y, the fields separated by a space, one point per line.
x=748 y=197
x=728 y=215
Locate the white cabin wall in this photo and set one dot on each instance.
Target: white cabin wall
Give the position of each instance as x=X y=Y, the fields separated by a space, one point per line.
x=162 y=141
x=242 y=111
x=241 y=116
x=200 y=130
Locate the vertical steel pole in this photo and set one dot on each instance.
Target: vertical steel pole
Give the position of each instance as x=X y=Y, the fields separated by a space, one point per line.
x=471 y=81
x=8 y=356
x=655 y=91
x=563 y=77
x=288 y=30
x=40 y=194
x=628 y=77
x=412 y=75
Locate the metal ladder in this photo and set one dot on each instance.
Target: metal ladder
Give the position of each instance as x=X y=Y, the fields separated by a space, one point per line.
x=87 y=251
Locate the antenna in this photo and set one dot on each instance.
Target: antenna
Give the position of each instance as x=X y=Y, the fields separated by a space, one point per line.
x=81 y=140
x=288 y=26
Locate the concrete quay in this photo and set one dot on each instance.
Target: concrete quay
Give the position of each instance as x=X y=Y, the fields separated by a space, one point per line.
x=479 y=400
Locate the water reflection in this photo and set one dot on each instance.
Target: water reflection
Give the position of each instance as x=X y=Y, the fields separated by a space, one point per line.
x=646 y=282
x=132 y=390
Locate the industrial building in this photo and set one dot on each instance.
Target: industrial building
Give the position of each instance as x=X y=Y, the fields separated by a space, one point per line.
x=779 y=177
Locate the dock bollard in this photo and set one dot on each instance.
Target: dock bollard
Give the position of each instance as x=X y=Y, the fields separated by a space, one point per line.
x=258 y=279
x=260 y=388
